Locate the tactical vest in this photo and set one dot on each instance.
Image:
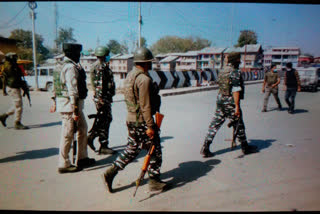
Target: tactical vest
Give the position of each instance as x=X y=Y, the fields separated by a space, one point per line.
x=129 y=95
x=224 y=82
x=61 y=89
x=12 y=74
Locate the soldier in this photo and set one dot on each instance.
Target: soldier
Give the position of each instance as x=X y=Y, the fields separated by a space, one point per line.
x=70 y=90
x=12 y=78
x=141 y=126
x=271 y=80
x=228 y=106
x=104 y=90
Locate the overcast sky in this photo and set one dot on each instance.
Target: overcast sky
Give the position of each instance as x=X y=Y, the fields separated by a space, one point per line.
x=275 y=24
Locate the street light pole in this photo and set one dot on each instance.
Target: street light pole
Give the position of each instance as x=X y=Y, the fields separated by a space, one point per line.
x=33 y=5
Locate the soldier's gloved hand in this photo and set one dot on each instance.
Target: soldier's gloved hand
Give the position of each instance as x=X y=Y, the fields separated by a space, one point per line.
x=150 y=133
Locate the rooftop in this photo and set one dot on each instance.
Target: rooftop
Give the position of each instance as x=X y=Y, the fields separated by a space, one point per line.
x=168 y=59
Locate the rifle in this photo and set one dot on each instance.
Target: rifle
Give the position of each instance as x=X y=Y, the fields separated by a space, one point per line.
x=26 y=90
x=74 y=145
x=94 y=126
x=146 y=161
x=235 y=125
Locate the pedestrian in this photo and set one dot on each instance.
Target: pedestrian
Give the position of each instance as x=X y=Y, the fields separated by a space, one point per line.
x=291 y=85
x=270 y=83
x=140 y=122
x=70 y=91
x=12 y=78
x=228 y=106
x=104 y=89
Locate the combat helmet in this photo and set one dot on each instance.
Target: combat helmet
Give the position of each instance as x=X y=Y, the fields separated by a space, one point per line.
x=101 y=51
x=142 y=54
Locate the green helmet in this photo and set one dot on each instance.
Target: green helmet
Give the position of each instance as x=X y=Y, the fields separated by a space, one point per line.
x=101 y=51
x=142 y=55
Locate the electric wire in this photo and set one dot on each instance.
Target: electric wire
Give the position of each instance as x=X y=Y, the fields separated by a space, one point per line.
x=15 y=15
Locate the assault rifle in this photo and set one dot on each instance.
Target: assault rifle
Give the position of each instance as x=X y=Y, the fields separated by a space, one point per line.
x=26 y=90
x=146 y=161
x=235 y=125
x=74 y=145
x=95 y=125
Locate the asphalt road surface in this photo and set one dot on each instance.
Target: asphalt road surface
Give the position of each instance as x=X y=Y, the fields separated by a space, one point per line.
x=283 y=176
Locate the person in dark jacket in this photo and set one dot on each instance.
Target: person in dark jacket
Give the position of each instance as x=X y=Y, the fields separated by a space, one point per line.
x=291 y=86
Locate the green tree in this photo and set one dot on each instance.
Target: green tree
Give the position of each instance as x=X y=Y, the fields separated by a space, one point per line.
x=25 y=45
x=114 y=46
x=65 y=35
x=169 y=44
x=247 y=37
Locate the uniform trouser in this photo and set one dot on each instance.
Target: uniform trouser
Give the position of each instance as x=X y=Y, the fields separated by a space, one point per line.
x=103 y=124
x=290 y=97
x=137 y=140
x=67 y=135
x=16 y=98
x=274 y=92
x=224 y=111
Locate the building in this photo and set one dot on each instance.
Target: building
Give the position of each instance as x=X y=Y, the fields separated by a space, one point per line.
x=316 y=60
x=187 y=61
x=251 y=57
x=304 y=60
x=121 y=64
x=168 y=63
x=156 y=62
x=226 y=53
x=281 y=56
x=210 y=58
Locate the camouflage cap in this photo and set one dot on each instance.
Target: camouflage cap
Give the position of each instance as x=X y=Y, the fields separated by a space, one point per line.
x=72 y=47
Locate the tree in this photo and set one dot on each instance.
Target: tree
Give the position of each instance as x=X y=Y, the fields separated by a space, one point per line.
x=64 y=35
x=247 y=37
x=25 y=45
x=169 y=44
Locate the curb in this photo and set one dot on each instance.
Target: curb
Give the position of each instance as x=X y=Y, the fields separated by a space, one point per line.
x=180 y=91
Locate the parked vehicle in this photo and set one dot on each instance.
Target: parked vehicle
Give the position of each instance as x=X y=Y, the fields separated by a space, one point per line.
x=45 y=78
x=309 y=78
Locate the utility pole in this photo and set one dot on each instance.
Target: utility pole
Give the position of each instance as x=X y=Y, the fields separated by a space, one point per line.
x=33 y=5
x=56 y=25
x=140 y=22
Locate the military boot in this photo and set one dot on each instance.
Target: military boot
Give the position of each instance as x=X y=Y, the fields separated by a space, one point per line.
x=155 y=184
x=3 y=119
x=248 y=149
x=205 y=151
x=18 y=125
x=105 y=150
x=109 y=175
x=90 y=142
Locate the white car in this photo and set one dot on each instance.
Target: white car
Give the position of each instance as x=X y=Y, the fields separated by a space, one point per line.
x=45 y=78
x=309 y=78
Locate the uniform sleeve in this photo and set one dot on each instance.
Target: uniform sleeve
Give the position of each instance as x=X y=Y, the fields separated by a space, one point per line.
x=144 y=84
x=92 y=76
x=235 y=81
x=71 y=83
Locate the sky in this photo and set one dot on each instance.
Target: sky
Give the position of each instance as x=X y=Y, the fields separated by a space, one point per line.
x=219 y=22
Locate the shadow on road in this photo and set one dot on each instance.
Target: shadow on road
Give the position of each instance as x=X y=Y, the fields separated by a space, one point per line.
x=45 y=125
x=261 y=144
x=296 y=111
x=33 y=154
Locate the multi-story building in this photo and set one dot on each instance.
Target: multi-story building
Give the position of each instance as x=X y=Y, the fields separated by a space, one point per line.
x=156 y=62
x=305 y=60
x=121 y=64
x=210 y=58
x=226 y=53
x=168 y=63
x=251 y=57
x=281 y=56
x=187 y=61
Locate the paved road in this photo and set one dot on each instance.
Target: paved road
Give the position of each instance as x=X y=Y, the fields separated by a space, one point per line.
x=283 y=176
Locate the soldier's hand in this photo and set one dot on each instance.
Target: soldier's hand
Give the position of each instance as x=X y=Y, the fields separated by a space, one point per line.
x=53 y=108
x=75 y=117
x=237 y=112
x=299 y=88
x=150 y=133
x=263 y=90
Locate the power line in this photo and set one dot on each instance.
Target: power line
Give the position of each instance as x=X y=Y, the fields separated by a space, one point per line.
x=94 y=22
x=15 y=15
x=9 y=26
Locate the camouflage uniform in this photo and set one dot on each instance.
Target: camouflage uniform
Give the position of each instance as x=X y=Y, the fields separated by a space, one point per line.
x=225 y=106
x=104 y=89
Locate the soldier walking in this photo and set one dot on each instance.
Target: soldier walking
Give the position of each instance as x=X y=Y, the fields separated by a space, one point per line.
x=70 y=91
x=104 y=89
x=12 y=78
x=271 y=82
x=228 y=106
x=141 y=126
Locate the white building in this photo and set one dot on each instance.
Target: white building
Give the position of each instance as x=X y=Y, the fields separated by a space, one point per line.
x=168 y=63
x=210 y=58
x=281 y=56
x=187 y=61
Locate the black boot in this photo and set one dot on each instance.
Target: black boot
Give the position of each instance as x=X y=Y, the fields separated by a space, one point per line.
x=3 y=119
x=86 y=162
x=105 y=150
x=155 y=184
x=109 y=175
x=248 y=149
x=18 y=125
x=205 y=152
x=90 y=142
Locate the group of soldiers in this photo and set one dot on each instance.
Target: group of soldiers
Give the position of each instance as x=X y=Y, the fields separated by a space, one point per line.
x=142 y=101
